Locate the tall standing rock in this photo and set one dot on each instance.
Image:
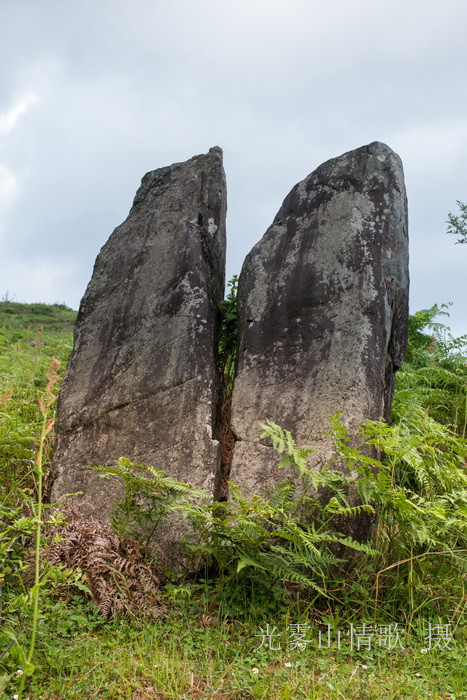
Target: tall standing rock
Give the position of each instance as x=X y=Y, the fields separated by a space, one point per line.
x=142 y=381
x=323 y=310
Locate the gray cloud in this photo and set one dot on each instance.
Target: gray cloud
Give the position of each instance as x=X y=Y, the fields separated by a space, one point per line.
x=122 y=88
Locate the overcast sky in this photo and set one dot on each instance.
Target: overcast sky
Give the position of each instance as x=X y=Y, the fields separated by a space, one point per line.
x=95 y=93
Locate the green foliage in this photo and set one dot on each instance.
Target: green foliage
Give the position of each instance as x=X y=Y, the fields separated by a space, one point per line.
x=227 y=345
x=26 y=354
x=258 y=546
x=419 y=489
x=419 y=492
x=17 y=634
x=21 y=526
x=260 y=552
x=255 y=548
x=457 y=223
x=14 y=532
x=28 y=367
x=427 y=464
x=28 y=342
x=149 y=496
x=22 y=319
x=433 y=378
x=46 y=402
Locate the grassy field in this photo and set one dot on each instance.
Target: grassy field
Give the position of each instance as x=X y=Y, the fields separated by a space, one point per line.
x=204 y=643
x=190 y=655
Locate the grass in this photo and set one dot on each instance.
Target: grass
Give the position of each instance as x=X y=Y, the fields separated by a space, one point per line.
x=22 y=317
x=30 y=336
x=193 y=651
x=190 y=655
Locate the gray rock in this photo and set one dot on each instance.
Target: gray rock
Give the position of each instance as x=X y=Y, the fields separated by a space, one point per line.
x=142 y=381
x=323 y=310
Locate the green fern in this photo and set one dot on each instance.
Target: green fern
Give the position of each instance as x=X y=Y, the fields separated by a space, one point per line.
x=149 y=497
x=268 y=543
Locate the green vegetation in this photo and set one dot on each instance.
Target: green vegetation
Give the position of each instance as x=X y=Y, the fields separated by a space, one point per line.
x=30 y=336
x=227 y=349
x=269 y=564
x=149 y=497
x=188 y=655
x=457 y=223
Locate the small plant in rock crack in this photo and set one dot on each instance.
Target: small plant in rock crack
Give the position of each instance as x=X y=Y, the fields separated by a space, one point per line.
x=227 y=347
x=149 y=496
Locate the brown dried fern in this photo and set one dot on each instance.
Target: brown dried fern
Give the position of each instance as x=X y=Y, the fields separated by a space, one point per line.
x=116 y=574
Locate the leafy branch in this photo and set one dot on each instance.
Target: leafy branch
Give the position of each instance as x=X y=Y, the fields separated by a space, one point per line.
x=457 y=224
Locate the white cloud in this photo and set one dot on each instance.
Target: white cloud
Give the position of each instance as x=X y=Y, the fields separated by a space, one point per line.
x=9 y=119
x=280 y=85
x=8 y=188
x=45 y=280
x=435 y=145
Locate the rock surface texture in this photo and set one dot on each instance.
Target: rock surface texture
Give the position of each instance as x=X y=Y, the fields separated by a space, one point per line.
x=141 y=381
x=323 y=310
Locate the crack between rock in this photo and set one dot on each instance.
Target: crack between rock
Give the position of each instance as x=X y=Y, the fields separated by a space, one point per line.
x=83 y=423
